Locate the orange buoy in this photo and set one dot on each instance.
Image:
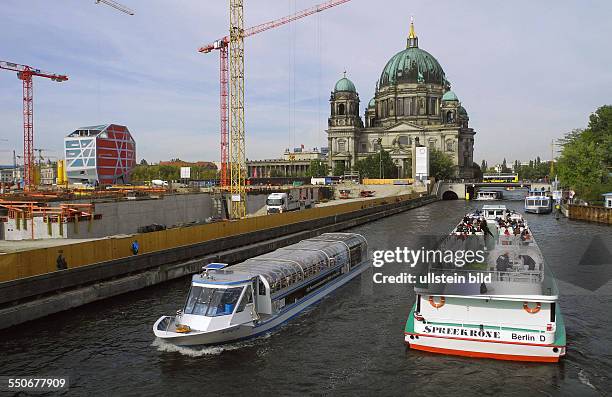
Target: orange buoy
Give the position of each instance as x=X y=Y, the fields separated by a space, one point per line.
x=435 y=304
x=532 y=310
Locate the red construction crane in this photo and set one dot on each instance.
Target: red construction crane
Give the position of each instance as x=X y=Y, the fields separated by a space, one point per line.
x=25 y=73
x=222 y=46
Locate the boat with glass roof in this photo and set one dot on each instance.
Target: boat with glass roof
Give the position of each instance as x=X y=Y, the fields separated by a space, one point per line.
x=508 y=311
x=230 y=303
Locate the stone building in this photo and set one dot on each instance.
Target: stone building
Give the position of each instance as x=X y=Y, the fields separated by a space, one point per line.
x=412 y=100
x=296 y=163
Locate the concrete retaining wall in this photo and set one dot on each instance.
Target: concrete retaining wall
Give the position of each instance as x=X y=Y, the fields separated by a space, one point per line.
x=21 y=301
x=126 y=216
x=590 y=213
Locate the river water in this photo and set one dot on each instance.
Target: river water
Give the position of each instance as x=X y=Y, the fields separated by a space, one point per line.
x=351 y=343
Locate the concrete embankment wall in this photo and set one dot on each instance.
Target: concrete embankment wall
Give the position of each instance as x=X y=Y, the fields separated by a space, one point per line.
x=126 y=216
x=25 y=299
x=590 y=213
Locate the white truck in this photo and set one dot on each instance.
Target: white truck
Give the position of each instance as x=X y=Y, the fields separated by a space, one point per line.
x=295 y=199
x=159 y=182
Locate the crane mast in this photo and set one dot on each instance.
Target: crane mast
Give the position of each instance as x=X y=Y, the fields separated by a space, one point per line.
x=237 y=163
x=25 y=74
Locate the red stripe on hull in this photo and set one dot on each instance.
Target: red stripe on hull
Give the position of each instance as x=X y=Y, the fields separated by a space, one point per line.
x=507 y=357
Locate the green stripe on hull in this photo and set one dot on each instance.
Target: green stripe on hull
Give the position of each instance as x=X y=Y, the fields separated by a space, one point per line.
x=410 y=321
x=560 y=330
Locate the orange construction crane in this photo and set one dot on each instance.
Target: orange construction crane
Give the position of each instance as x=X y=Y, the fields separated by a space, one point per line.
x=223 y=45
x=25 y=73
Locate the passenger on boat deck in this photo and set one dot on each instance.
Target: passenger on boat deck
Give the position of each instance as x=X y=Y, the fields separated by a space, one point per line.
x=503 y=263
x=517 y=230
x=525 y=235
x=506 y=232
x=485 y=228
x=528 y=262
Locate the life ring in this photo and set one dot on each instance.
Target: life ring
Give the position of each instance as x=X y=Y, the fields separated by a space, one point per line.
x=435 y=304
x=183 y=329
x=532 y=310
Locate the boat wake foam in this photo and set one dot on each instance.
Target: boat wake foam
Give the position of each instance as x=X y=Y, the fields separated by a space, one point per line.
x=202 y=351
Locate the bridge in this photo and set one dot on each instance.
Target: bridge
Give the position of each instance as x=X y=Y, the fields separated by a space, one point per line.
x=461 y=190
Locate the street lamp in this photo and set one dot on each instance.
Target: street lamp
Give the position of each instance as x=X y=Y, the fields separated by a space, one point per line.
x=380 y=169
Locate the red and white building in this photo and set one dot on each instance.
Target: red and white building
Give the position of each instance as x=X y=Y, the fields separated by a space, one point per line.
x=100 y=155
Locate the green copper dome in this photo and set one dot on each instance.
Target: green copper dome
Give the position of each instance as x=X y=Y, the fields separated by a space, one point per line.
x=461 y=110
x=345 y=84
x=372 y=103
x=449 y=96
x=412 y=65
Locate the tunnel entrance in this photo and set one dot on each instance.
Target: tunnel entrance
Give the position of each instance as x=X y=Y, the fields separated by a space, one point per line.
x=450 y=195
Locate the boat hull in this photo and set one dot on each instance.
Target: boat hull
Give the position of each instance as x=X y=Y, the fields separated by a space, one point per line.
x=251 y=330
x=483 y=348
x=539 y=210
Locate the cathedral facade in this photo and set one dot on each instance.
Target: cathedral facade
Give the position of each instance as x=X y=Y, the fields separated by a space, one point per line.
x=413 y=104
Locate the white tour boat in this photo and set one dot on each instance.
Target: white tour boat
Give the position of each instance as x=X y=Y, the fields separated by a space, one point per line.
x=229 y=303
x=513 y=315
x=489 y=195
x=538 y=202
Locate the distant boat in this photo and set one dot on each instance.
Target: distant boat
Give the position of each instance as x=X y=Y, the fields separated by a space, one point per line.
x=489 y=195
x=538 y=202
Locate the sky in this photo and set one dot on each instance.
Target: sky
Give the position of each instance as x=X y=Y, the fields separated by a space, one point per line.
x=526 y=71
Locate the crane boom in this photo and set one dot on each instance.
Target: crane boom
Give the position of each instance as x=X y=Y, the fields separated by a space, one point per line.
x=116 y=6
x=16 y=67
x=273 y=24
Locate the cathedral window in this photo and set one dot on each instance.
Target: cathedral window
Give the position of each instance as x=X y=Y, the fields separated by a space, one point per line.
x=400 y=107
x=450 y=117
x=341 y=109
x=449 y=145
x=341 y=145
x=403 y=140
x=432 y=143
x=375 y=145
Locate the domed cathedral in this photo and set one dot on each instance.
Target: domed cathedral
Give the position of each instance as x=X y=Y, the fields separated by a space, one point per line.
x=412 y=104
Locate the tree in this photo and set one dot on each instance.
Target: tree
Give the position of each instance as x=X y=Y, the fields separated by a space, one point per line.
x=440 y=165
x=504 y=167
x=317 y=168
x=379 y=165
x=143 y=162
x=477 y=171
x=339 y=169
x=585 y=163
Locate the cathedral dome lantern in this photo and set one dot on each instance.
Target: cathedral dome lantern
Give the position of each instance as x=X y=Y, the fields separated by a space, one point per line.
x=412 y=65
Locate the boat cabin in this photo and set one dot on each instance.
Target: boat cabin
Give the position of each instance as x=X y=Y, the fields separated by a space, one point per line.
x=264 y=285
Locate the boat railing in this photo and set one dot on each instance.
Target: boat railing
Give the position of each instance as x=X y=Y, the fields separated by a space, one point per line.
x=512 y=276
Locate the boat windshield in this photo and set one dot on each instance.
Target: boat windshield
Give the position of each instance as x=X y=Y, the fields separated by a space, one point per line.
x=212 y=302
x=277 y=201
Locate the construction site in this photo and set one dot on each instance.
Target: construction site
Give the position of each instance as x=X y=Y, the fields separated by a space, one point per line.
x=72 y=224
